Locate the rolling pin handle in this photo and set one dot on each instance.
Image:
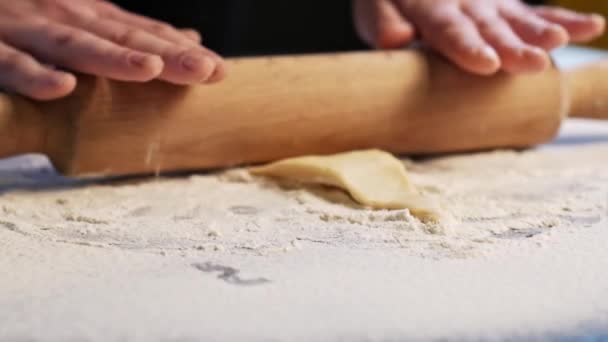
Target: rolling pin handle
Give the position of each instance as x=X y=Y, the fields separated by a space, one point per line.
x=21 y=129
x=588 y=91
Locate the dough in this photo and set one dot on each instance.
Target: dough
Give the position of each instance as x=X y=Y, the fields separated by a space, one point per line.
x=372 y=177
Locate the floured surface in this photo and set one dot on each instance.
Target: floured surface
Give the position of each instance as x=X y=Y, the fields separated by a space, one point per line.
x=487 y=199
x=234 y=257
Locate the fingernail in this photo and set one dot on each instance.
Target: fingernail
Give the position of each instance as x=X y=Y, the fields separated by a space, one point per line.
x=538 y=51
x=202 y=66
x=556 y=29
x=489 y=53
x=553 y=27
x=138 y=60
x=532 y=52
x=536 y=59
x=59 y=82
x=597 y=18
x=194 y=35
x=50 y=82
x=54 y=80
x=192 y=63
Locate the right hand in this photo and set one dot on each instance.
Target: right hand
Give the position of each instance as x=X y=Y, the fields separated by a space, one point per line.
x=480 y=36
x=94 y=37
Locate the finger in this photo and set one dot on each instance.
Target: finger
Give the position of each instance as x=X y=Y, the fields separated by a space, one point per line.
x=381 y=24
x=193 y=35
x=182 y=64
x=455 y=35
x=156 y=27
x=515 y=55
x=21 y=73
x=82 y=51
x=220 y=69
x=581 y=27
x=536 y=30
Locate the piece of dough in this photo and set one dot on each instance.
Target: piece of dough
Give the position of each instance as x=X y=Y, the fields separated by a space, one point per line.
x=372 y=177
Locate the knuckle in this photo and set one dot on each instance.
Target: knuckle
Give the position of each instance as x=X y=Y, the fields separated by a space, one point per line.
x=64 y=38
x=535 y=23
x=38 y=23
x=69 y=11
x=491 y=27
x=14 y=60
x=193 y=34
x=450 y=30
x=58 y=9
x=442 y=17
x=126 y=36
x=182 y=54
x=161 y=28
x=61 y=13
x=549 y=10
x=106 y=7
x=486 y=24
x=18 y=14
x=30 y=82
x=444 y=24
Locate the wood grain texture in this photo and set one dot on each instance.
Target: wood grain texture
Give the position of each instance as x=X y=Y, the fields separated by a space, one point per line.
x=270 y=108
x=588 y=91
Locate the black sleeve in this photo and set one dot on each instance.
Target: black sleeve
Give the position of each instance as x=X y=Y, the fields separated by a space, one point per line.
x=244 y=27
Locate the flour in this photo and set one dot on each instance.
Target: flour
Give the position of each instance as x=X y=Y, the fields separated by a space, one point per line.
x=237 y=256
x=487 y=199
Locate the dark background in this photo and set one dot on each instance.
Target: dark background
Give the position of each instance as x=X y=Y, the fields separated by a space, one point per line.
x=247 y=27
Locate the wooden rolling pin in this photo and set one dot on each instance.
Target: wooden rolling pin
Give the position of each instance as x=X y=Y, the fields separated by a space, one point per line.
x=269 y=108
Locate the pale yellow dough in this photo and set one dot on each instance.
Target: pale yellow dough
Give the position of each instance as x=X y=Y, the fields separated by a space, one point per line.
x=373 y=178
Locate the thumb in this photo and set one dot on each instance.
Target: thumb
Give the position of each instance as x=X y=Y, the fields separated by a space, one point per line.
x=380 y=24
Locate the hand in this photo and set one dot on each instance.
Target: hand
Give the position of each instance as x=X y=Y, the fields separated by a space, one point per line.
x=93 y=37
x=480 y=36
